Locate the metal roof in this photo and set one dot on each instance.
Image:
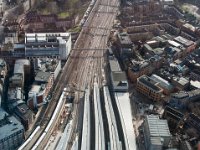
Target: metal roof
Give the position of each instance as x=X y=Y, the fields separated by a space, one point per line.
x=163 y=83
x=124 y=107
x=157 y=127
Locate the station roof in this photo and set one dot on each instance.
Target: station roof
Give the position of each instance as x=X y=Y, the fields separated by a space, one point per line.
x=124 y=107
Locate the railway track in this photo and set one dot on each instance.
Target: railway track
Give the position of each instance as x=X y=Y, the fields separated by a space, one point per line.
x=82 y=65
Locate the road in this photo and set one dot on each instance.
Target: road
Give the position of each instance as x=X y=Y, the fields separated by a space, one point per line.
x=84 y=63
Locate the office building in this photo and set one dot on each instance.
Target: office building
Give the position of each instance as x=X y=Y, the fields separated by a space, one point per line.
x=54 y=45
x=149 y=88
x=12 y=132
x=164 y=84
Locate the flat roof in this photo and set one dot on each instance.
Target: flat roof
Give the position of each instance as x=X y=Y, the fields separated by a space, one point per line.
x=149 y=82
x=35 y=88
x=157 y=127
x=173 y=43
x=183 y=41
x=124 y=38
x=124 y=107
x=42 y=76
x=161 y=81
x=8 y=126
x=196 y=84
x=114 y=65
x=181 y=80
x=189 y=26
x=23 y=111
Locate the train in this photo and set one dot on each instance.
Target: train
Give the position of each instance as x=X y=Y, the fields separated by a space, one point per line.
x=85 y=16
x=50 y=123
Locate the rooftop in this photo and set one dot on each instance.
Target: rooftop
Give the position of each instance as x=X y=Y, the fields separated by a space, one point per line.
x=157 y=127
x=19 y=65
x=123 y=104
x=163 y=83
x=174 y=112
x=189 y=26
x=181 y=80
x=42 y=76
x=190 y=95
x=114 y=65
x=195 y=84
x=174 y=44
x=23 y=111
x=8 y=125
x=14 y=94
x=45 y=37
x=46 y=64
x=125 y=39
x=149 y=82
x=183 y=41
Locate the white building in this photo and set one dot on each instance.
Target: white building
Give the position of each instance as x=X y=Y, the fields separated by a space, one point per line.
x=55 y=45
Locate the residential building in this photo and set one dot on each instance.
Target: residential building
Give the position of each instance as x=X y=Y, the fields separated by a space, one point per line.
x=54 y=45
x=12 y=132
x=156 y=133
x=149 y=88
